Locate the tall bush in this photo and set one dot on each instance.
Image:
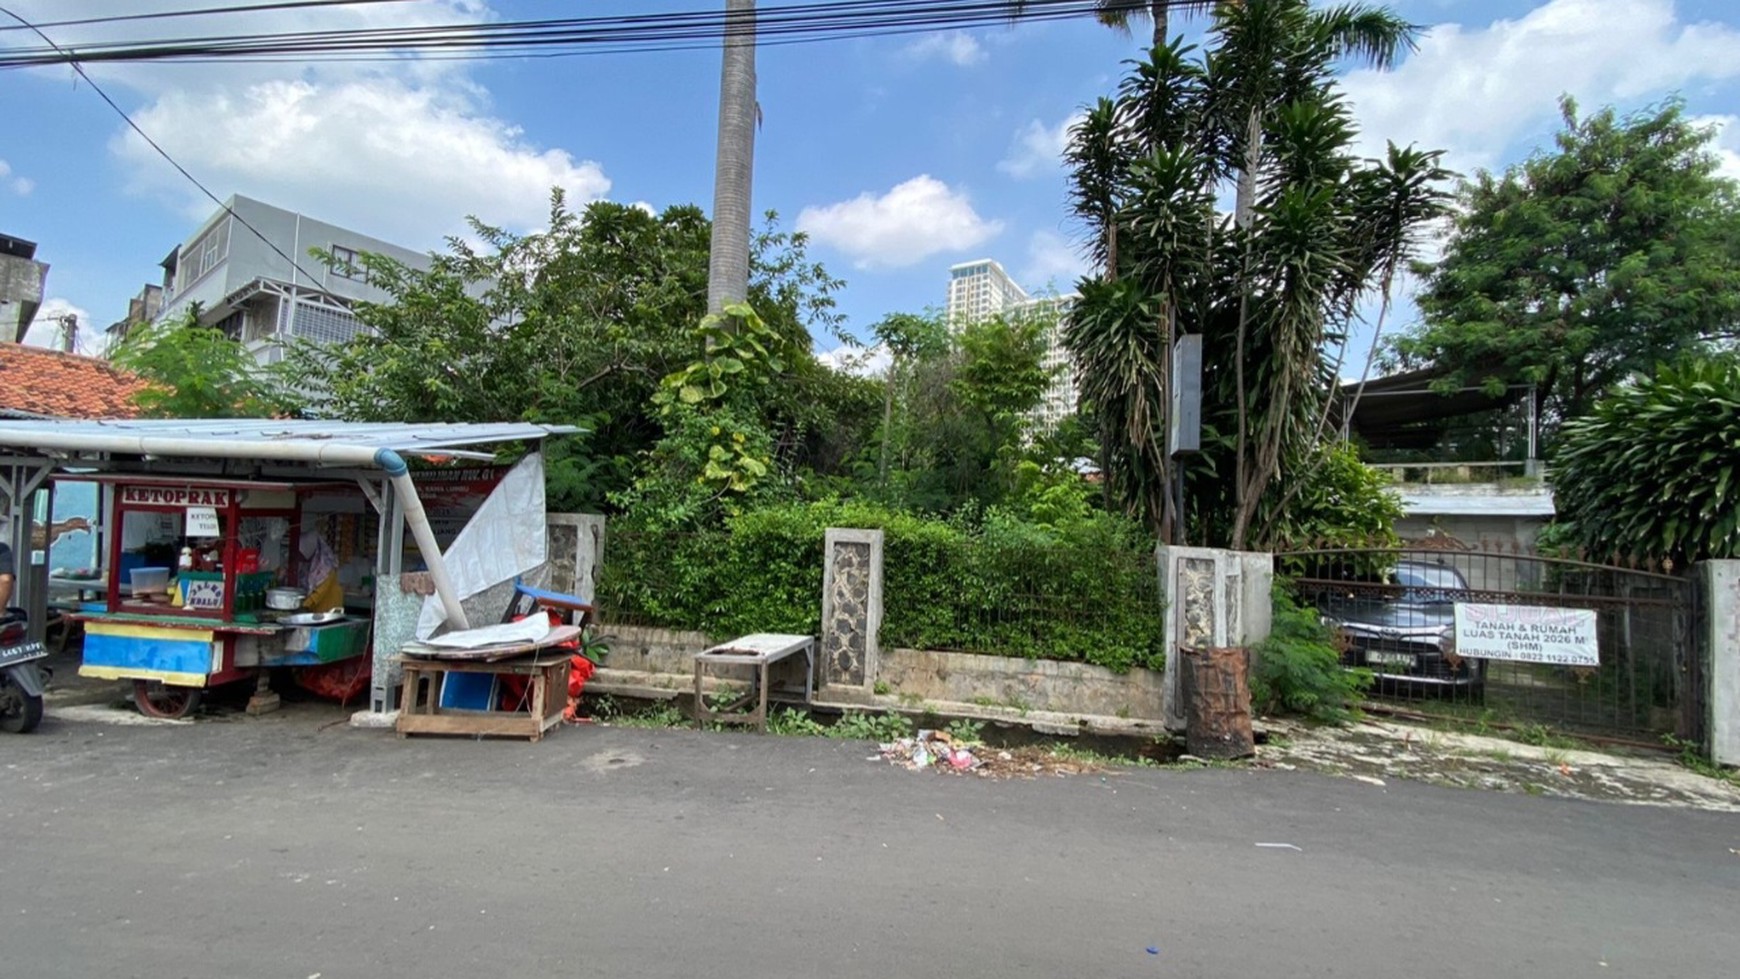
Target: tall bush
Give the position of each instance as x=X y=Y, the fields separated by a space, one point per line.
x=1653 y=471
x=991 y=583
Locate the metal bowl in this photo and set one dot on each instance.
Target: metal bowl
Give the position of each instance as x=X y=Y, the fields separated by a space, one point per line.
x=313 y=618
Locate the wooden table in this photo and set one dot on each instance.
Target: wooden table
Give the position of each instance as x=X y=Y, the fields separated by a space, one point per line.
x=421 y=711
x=761 y=651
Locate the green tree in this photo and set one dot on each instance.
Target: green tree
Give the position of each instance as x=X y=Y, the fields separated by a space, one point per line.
x=1615 y=251
x=578 y=324
x=1270 y=289
x=1653 y=470
x=908 y=338
x=963 y=414
x=199 y=372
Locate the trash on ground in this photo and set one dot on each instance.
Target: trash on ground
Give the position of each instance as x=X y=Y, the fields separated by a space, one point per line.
x=1281 y=846
x=936 y=750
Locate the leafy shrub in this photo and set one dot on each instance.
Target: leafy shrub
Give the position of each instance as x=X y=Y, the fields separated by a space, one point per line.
x=1084 y=589
x=1298 y=668
x=1654 y=470
x=856 y=726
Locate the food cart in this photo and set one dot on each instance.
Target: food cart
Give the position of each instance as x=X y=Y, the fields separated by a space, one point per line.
x=212 y=531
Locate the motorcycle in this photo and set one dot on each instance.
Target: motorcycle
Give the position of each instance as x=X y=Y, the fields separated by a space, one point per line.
x=21 y=679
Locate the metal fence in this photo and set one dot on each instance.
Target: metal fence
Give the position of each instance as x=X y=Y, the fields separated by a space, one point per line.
x=1394 y=609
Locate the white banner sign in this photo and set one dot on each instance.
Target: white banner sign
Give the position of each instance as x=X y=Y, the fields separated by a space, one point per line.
x=202 y=521
x=1527 y=634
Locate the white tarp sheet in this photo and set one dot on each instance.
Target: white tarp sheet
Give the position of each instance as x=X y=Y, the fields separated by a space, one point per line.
x=505 y=538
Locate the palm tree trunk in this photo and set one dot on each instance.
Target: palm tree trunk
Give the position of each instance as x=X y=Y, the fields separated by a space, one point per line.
x=734 y=164
x=1157 y=13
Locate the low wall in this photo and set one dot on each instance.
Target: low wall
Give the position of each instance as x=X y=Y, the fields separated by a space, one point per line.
x=924 y=675
x=1006 y=681
x=644 y=649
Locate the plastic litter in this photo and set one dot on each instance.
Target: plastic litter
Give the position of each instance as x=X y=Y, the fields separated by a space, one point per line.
x=1281 y=846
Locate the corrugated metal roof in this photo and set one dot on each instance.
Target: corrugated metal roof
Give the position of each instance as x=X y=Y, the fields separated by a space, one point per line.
x=1427 y=503
x=416 y=438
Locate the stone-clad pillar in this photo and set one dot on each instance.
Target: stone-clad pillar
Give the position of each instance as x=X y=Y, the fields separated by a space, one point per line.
x=851 y=607
x=1214 y=599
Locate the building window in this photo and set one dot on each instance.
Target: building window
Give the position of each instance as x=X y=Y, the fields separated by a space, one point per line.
x=203 y=255
x=344 y=263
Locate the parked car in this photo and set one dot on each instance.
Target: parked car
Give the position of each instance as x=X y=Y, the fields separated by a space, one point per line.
x=1404 y=630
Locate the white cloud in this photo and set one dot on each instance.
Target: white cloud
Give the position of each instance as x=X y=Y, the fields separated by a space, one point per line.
x=913 y=221
x=1052 y=259
x=1038 y=149
x=1726 y=144
x=396 y=160
x=45 y=330
x=957 y=47
x=21 y=186
x=402 y=149
x=1476 y=91
x=858 y=361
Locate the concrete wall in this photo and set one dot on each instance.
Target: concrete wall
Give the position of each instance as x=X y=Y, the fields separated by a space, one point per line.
x=1042 y=685
x=1215 y=598
x=21 y=281
x=1721 y=582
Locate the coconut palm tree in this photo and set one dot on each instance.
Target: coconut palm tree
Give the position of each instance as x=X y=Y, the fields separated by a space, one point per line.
x=734 y=164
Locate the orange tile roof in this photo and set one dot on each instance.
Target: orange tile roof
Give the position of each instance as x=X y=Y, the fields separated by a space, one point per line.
x=35 y=381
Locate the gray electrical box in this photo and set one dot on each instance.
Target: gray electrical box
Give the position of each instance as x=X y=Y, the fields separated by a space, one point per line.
x=1184 y=421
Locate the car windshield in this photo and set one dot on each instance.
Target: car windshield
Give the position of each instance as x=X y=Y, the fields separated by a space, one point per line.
x=1427 y=582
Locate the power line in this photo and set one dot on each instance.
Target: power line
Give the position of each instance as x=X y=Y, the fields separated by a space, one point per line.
x=160 y=150
x=680 y=30
x=197 y=12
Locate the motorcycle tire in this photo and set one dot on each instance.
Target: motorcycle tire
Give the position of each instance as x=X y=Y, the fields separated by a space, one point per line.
x=20 y=712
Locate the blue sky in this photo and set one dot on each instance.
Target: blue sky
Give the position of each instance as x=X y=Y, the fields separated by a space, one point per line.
x=900 y=155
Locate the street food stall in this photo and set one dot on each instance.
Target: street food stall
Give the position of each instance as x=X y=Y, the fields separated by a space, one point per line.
x=231 y=548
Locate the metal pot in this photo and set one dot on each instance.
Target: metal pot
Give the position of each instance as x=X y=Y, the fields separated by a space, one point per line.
x=313 y=618
x=285 y=599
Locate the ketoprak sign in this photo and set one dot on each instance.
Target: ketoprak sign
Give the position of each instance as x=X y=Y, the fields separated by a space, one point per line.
x=1527 y=634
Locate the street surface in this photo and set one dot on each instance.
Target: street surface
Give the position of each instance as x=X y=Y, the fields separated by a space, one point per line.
x=293 y=846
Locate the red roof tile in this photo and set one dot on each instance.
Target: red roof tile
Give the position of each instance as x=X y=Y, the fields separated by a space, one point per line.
x=35 y=381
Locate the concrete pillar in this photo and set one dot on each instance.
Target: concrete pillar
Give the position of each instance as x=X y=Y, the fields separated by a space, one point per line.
x=576 y=553
x=1214 y=598
x=1721 y=583
x=851 y=607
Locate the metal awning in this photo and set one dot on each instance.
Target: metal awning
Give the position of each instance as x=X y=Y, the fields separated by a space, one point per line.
x=31 y=450
x=321 y=442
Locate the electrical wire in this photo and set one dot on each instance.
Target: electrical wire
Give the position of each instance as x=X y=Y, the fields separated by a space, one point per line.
x=198 y=12
x=681 y=30
x=160 y=150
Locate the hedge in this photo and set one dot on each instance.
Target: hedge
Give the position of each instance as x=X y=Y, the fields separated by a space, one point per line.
x=1087 y=591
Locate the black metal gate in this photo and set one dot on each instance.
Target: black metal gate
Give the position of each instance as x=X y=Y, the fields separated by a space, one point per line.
x=1394 y=610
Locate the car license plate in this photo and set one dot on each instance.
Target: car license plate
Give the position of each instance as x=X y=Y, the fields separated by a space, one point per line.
x=22 y=654
x=1374 y=657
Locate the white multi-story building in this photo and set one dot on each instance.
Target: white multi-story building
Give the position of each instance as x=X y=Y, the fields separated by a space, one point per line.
x=981 y=289
x=265 y=288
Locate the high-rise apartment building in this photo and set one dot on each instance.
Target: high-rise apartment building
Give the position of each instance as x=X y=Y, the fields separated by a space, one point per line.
x=982 y=289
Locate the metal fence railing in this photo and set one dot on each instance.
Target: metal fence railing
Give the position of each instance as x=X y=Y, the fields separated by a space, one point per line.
x=1395 y=608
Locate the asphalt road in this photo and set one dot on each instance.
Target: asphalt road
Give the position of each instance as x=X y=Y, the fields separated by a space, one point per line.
x=282 y=848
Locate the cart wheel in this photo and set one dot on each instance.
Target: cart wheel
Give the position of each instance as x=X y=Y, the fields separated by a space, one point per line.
x=157 y=699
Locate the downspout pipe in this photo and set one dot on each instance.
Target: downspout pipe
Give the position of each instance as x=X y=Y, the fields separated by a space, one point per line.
x=318 y=453
x=399 y=474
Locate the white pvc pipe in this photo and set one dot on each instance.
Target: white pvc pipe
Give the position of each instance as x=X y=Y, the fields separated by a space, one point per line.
x=319 y=453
